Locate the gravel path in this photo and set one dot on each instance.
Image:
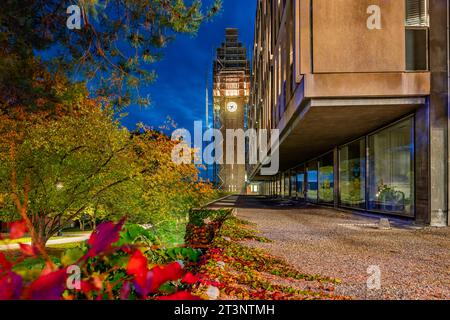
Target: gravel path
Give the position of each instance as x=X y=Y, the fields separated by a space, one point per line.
x=414 y=262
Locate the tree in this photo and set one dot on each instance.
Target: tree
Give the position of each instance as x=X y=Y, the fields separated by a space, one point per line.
x=72 y=163
x=115 y=47
x=62 y=150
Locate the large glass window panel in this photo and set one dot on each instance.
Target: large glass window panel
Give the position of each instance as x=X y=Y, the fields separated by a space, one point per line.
x=287 y=188
x=293 y=184
x=301 y=183
x=417 y=49
x=417 y=25
x=352 y=175
x=281 y=181
x=326 y=179
x=391 y=170
x=276 y=187
x=313 y=182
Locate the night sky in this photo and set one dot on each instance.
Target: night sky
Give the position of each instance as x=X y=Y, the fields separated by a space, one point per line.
x=179 y=91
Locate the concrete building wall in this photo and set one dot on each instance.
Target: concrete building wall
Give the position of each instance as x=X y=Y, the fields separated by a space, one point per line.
x=319 y=65
x=342 y=41
x=422 y=176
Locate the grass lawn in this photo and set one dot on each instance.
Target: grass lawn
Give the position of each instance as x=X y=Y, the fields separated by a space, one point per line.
x=8 y=241
x=5 y=242
x=76 y=231
x=55 y=250
x=64 y=246
x=171 y=233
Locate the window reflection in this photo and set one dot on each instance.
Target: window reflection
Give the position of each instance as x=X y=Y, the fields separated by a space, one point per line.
x=326 y=179
x=286 y=185
x=312 y=182
x=391 y=169
x=293 y=184
x=301 y=183
x=352 y=175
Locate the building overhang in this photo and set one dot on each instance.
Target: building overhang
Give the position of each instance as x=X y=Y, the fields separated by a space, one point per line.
x=319 y=125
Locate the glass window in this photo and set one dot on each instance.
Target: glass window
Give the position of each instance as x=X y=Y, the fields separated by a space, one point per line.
x=417 y=24
x=287 y=188
x=326 y=179
x=417 y=13
x=352 y=174
x=391 y=169
x=293 y=184
x=301 y=183
x=281 y=182
x=417 y=49
x=312 y=182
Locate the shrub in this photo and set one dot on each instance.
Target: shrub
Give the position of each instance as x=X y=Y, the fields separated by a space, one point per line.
x=110 y=269
x=203 y=226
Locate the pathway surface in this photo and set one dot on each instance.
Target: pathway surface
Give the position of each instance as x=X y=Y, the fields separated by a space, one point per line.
x=414 y=262
x=65 y=240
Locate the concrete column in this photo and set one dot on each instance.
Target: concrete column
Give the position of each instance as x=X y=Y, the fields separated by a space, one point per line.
x=422 y=175
x=438 y=114
x=448 y=105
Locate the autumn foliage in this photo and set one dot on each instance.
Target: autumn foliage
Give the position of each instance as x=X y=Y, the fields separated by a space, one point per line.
x=138 y=279
x=81 y=163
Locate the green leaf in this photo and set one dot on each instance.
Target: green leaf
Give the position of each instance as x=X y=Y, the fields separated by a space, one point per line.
x=71 y=256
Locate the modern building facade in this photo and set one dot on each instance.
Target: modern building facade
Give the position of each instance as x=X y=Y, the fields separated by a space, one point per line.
x=231 y=90
x=359 y=91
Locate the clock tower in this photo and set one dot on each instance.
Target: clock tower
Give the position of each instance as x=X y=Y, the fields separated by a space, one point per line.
x=231 y=95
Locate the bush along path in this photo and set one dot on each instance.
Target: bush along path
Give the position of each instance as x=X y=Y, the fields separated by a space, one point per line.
x=230 y=270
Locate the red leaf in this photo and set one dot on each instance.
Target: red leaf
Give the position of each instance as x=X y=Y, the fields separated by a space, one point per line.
x=125 y=291
x=10 y=286
x=138 y=267
x=189 y=278
x=161 y=275
x=138 y=264
x=87 y=287
x=17 y=229
x=182 y=295
x=144 y=284
x=5 y=264
x=28 y=250
x=48 y=287
x=102 y=239
x=143 y=278
x=146 y=281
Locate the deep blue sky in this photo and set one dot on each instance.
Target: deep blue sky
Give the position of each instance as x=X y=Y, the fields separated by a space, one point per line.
x=179 y=91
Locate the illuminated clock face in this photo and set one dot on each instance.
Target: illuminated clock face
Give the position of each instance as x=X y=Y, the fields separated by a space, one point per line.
x=232 y=107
